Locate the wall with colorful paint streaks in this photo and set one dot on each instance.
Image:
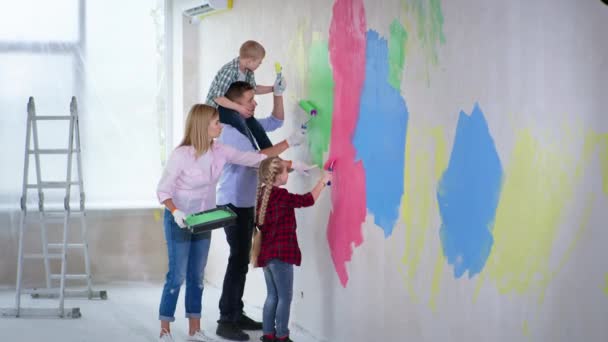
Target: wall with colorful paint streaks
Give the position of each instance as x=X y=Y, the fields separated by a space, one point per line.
x=470 y=145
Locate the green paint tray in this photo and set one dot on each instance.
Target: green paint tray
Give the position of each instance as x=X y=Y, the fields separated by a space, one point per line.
x=210 y=219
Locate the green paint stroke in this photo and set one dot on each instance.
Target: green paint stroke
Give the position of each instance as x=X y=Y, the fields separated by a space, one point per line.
x=321 y=94
x=429 y=18
x=396 y=53
x=606 y=288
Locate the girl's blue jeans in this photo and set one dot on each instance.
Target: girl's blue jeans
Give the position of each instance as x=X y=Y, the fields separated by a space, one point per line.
x=279 y=285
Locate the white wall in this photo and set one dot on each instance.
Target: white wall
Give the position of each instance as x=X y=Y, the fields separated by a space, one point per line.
x=537 y=67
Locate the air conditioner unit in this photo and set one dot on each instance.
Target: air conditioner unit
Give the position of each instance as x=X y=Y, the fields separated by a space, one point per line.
x=206 y=8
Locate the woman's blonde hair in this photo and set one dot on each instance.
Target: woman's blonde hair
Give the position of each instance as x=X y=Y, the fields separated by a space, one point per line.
x=197 y=128
x=269 y=169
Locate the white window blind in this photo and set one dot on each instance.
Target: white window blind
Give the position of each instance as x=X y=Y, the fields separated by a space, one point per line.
x=109 y=55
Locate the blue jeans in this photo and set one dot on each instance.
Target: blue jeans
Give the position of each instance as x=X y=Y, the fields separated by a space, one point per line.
x=279 y=285
x=187 y=259
x=238 y=237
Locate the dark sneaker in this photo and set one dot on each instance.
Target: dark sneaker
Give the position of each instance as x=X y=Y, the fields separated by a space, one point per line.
x=231 y=331
x=267 y=339
x=284 y=339
x=246 y=323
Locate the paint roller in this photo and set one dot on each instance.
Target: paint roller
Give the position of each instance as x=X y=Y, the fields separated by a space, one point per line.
x=309 y=108
x=331 y=169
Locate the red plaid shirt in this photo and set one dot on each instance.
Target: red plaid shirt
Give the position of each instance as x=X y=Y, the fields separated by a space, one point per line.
x=279 y=239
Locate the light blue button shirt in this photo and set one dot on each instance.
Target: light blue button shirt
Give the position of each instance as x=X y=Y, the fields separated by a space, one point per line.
x=238 y=183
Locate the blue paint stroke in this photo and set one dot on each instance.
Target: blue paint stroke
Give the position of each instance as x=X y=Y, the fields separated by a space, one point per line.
x=468 y=195
x=380 y=136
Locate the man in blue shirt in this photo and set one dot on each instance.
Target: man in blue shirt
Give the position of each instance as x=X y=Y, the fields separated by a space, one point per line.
x=237 y=189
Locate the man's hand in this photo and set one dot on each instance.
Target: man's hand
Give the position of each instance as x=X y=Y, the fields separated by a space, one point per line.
x=301 y=167
x=279 y=86
x=296 y=138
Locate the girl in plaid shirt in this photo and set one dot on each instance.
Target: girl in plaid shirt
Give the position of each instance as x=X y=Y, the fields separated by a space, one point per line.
x=279 y=250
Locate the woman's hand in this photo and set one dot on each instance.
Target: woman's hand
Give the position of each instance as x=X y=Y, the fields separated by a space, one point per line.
x=180 y=218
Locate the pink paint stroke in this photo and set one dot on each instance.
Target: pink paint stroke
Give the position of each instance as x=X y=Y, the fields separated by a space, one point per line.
x=347 y=54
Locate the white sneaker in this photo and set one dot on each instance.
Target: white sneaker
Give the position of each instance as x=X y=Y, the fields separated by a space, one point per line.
x=200 y=336
x=166 y=337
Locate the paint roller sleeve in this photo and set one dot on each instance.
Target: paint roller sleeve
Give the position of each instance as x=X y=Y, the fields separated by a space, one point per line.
x=308 y=107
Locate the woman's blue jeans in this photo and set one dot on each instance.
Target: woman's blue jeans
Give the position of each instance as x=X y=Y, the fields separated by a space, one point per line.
x=187 y=259
x=279 y=285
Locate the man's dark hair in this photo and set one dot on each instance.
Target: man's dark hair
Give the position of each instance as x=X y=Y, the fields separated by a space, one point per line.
x=237 y=89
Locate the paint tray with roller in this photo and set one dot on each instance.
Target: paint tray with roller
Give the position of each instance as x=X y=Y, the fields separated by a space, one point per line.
x=210 y=219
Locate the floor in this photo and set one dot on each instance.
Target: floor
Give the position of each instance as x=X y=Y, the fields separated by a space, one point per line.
x=129 y=314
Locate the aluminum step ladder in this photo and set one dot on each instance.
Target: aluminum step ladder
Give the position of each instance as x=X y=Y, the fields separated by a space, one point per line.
x=53 y=251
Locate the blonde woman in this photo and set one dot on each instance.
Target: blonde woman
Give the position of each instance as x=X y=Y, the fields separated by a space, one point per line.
x=279 y=250
x=188 y=186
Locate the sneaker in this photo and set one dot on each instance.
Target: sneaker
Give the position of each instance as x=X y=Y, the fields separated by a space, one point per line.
x=283 y=339
x=165 y=337
x=246 y=323
x=200 y=336
x=231 y=331
x=265 y=338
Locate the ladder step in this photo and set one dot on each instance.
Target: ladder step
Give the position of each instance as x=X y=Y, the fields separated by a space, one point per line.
x=51 y=185
x=53 y=151
x=60 y=213
x=52 y=117
x=70 y=245
x=41 y=312
x=68 y=292
x=52 y=221
x=71 y=276
x=41 y=256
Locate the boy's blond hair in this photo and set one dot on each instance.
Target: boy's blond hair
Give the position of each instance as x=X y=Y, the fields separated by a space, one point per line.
x=252 y=49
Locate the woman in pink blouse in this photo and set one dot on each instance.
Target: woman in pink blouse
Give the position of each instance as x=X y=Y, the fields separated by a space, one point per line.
x=188 y=186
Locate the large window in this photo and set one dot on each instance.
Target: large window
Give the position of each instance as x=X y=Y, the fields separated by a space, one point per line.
x=109 y=54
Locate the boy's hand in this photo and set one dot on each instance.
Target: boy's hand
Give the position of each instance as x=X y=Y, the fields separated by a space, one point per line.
x=279 y=86
x=245 y=111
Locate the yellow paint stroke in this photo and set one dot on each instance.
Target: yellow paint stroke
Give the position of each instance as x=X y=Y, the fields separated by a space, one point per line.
x=441 y=163
x=298 y=55
x=157 y=215
x=606 y=288
x=580 y=232
x=604 y=161
x=419 y=203
x=436 y=282
x=416 y=198
x=539 y=182
x=534 y=194
x=525 y=328
x=480 y=280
